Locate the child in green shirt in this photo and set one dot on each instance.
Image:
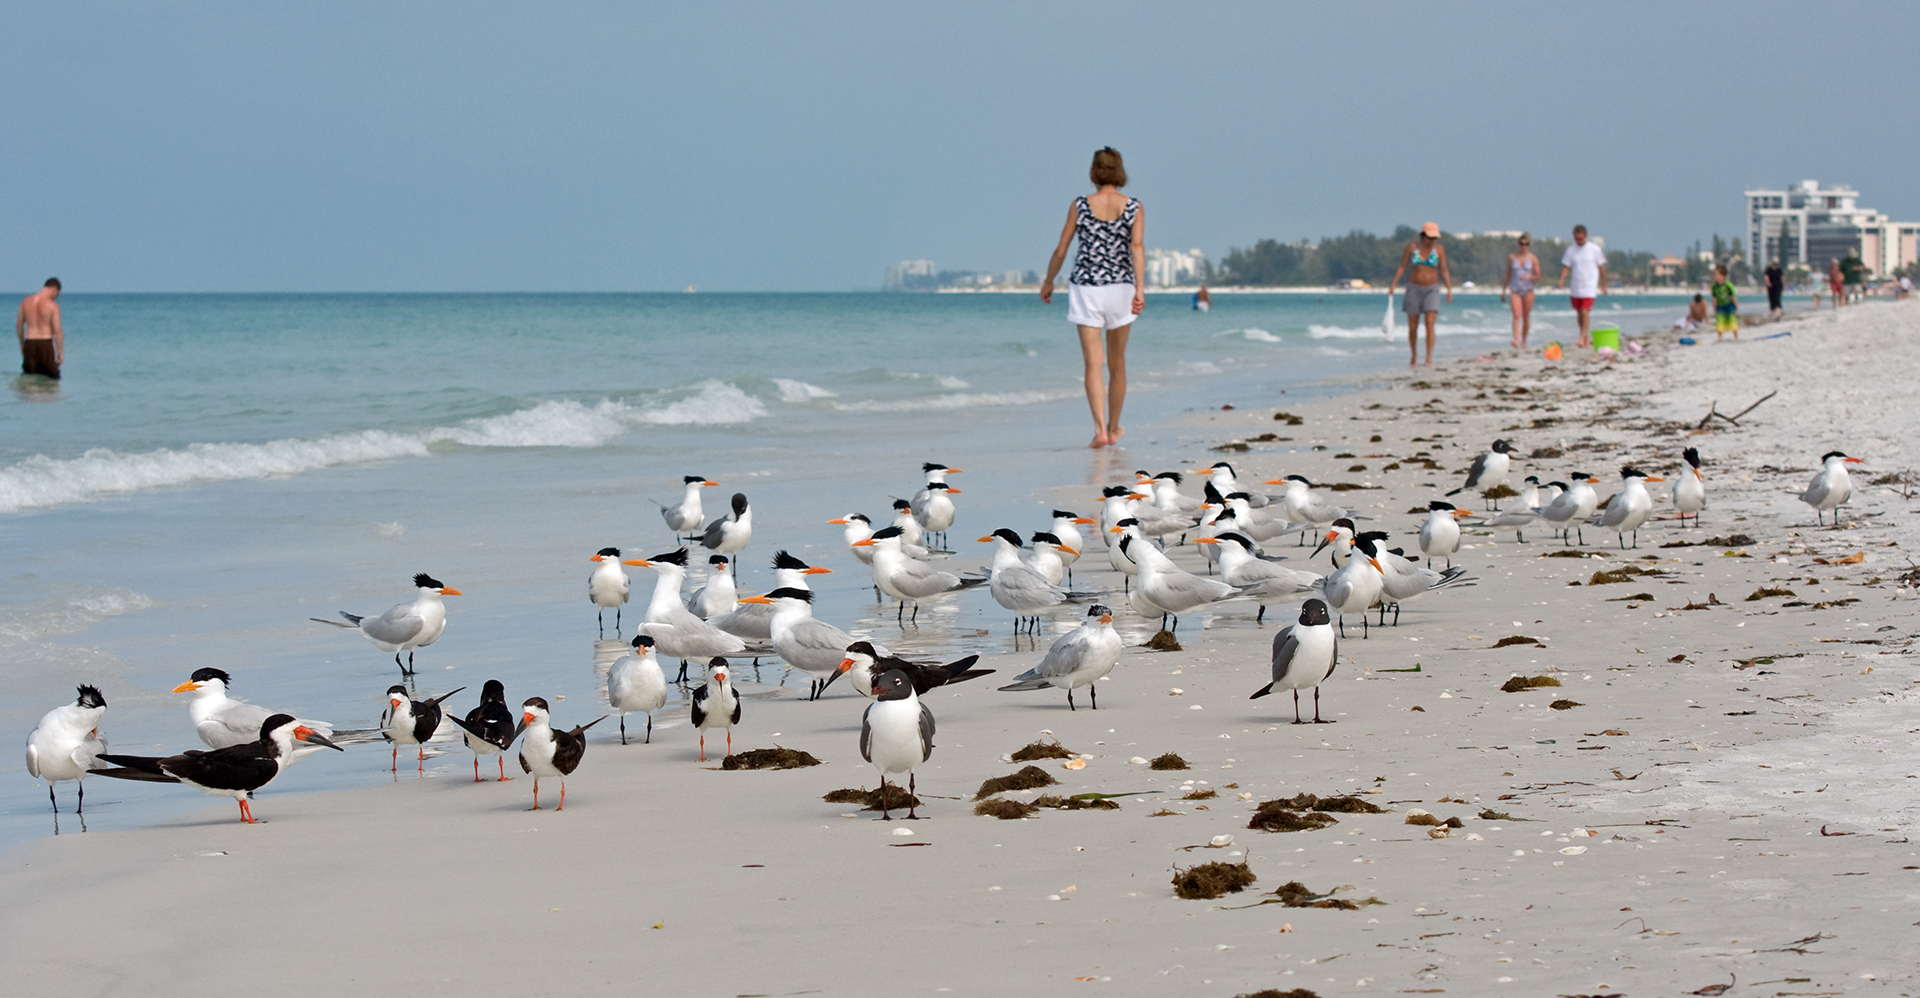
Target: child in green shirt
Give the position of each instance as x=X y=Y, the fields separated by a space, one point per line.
x=1726 y=306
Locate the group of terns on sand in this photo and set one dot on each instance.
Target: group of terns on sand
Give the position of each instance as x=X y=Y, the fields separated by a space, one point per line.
x=247 y=745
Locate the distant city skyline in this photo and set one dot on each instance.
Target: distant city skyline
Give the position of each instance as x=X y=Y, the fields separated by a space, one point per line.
x=358 y=146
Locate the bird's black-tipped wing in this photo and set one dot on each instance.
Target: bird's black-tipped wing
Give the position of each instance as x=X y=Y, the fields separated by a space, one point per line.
x=133 y=767
x=569 y=747
x=926 y=733
x=426 y=719
x=491 y=722
x=237 y=767
x=700 y=705
x=736 y=708
x=1479 y=468
x=866 y=733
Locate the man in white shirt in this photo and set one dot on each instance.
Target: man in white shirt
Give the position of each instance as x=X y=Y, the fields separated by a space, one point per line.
x=1588 y=266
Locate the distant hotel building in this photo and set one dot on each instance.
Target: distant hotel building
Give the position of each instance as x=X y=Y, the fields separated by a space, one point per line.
x=903 y=275
x=1171 y=268
x=1809 y=225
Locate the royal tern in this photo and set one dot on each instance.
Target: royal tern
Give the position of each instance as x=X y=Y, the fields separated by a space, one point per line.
x=235 y=771
x=1831 y=488
x=731 y=534
x=548 y=752
x=222 y=721
x=858 y=528
x=1689 y=489
x=906 y=579
x=1016 y=585
x=489 y=728
x=1356 y=583
x=716 y=705
x=1116 y=505
x=813 y=646
x=1066 y=529
x=1306 y=507
x=1489 y=471
x=1165 y=488
x=635 y=682
x=1260 y=524
x=754 y=621
x=689 y=516
x=1440 y=531
x=609 y=586
x=896 y=734
x=1227 y=483
x=405 y=626
x=1402 y=580
x=1081 y=657
x=1048 y=556
x=1631 y=506
x=1569 y=510
x=407 y=721
x=65 y=742
x=1304 y=655
x=716 y=596
x=933 y=510
x=863 y=661
x=676 y=632
x=1171 y=588
x=1117 y=556
x=1521 y=514
x=1265 y=581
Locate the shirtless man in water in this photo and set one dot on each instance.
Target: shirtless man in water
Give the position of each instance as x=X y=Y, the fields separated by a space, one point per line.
x=42 y=346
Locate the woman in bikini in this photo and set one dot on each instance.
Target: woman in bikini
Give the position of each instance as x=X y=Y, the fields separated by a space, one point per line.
x=1103 y=293
x=1523 y=270
x=1424 y=261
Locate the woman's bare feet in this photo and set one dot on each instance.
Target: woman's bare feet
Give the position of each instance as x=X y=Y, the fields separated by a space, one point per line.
x=1099 y=440
x=1114 y=433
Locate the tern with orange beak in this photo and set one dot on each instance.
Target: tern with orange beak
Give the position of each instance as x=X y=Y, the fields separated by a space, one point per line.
x=1067 y=536
x=676 y=632
x=609 y=586
x=1266 y=581
x=1081 y=657
x=1016 y=585
x=754 y=621
x=716 y=705
x=410 y=722
x=813 y=646
x=1631 y=506
x=548 y=752
x=1569 y=510
x=907 y=579
x=223 y=721
x=63 y=745
x=690 y=515
x=896 y=735
x=236 y=771
x=1831 y=488
x=405 y=626
x=1355 y=584
x=635 y=682
x=1171 y=588
x=931 y=507
x=1689 y=489
x=1440 y=532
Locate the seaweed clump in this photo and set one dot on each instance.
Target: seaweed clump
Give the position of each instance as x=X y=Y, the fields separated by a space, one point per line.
x=769 y=758
x=1274 y=993
x=1343 y=804
x=1076 y=803
x=1298 y=895
x=1005 y=810
x=1517 y=639
x=1625 y=573
x=1521 y=684
x=1419 y=817
x=1028 y=778
x=1274 y=816
x=1162 y=641
x=1211 y=880
x=1168 y=761
x=1201 y=793
x=1042 y=750
x=1565 y=704
x=870 y=800
x=1766 y=592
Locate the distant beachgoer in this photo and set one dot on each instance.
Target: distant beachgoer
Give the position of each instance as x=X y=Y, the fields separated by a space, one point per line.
x=1103 y=294
x=1776 y=280
x=1424 y=261
x=1202 y=301
x=1697 y=313
x=1906 y=287
x=1836 y=283
x=1523 y=272
x=1587 y=264
x=1852 y=273
x=1726 y=306
x=43 y=346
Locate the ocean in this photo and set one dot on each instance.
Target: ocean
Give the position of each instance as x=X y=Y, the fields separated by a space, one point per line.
x=214 y=470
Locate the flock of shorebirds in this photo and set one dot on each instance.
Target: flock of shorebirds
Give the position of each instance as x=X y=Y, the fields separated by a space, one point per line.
x=1226 y=525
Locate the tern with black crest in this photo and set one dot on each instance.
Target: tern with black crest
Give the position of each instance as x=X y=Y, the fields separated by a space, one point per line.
x=689 y=516
x=65 y=743
x=405 y=626
x=1830 y=488
x=635 y=682
x=609 y=586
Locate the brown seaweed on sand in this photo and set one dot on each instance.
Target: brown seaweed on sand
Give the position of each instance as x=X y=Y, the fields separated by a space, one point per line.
x=1282 y=819
x=1005 y=810
x=1517 y=639
x=1273 y=993
x=1028 y=778
x=1342 y=804
x=869 y=800
x=1521 y=684
x=1211 y=880
x=1076 y=803
x=1042 y=750
x=1168 y=761
x=769 y=758
x=1565 y=704
x=1162 y=641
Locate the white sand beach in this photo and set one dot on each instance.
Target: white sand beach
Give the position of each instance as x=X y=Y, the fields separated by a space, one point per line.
x=1731 y=800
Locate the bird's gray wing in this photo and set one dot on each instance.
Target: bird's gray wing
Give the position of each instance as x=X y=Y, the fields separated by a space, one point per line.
x=866 y=733
x=1284 y=646
x=1479 y=468
x=1615 y=513
x=926 y=732
x=398 y=625
x=711 y=538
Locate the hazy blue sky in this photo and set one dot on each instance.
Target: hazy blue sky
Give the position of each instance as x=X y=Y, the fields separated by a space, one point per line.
x=775 y=146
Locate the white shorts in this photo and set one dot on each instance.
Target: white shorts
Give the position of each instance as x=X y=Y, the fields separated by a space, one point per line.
x=1102 y=306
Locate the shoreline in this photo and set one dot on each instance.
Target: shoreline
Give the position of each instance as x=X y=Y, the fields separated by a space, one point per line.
x=722 y=861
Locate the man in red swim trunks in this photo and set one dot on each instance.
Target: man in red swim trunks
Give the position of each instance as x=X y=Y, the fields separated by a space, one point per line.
x=1587 y=264
x=42 y=346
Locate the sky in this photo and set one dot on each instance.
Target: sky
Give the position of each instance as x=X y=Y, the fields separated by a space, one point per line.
x=478 y=146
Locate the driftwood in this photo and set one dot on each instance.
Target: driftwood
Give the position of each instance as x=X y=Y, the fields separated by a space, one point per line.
x=1713 y=410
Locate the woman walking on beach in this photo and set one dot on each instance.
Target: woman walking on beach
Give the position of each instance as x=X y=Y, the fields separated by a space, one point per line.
x=1103 y=292
x=1523 y=271
x=1424 y=261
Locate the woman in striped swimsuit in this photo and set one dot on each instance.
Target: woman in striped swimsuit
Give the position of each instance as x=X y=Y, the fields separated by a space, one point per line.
x=1103 y=292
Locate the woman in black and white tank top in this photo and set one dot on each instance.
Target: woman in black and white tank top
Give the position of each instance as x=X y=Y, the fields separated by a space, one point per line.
x=1104 y=294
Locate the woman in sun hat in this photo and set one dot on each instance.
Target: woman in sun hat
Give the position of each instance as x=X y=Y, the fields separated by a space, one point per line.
x=1424 y=261
x=1104 y=293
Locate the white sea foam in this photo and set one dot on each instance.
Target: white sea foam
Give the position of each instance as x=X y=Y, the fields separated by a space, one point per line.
x=1343 y=333
x=70 y=611
x=554 y=423
x=714 y=403
x=956 y=400
x=1197 y=367
x=1256 y=335
x=800 y=391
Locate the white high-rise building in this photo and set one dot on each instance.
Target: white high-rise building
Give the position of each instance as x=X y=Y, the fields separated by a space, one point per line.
x=1170 y=268
x=898 y=273
x=1807 y=225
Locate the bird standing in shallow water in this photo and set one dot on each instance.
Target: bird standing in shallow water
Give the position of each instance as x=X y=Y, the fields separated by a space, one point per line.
x=635 y=682
x=405 y=626
x=65 y=742
x=410 y=722
x=690 y=515
x=609 y=586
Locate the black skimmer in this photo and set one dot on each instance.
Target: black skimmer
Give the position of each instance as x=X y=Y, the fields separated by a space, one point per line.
x=863 y=662
x=635 y=682
x=1304 y=655
x=896 y=734
x=405 y=626
x=222 y=721
x=1078 y=658
x=236 y=771
x=550 y=752
x=65 y=742
x=1489 y=471
x=489 y=728
x=716 y=705
x=410 y=722
x=609 y=586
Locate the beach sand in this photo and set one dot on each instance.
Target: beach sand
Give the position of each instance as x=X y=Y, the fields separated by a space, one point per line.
x=1729 y=802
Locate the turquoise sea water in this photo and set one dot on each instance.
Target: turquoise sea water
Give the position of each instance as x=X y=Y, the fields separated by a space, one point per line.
x=215 y=469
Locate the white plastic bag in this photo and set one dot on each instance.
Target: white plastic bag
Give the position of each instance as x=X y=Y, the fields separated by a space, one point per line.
x=1386 y=322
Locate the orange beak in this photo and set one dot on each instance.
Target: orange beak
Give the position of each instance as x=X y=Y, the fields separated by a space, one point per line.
x=987 y=538
x=1461 y=514
x=866 y=543
x=1656 y=478
x=838 y=519
x=1333 y=535
x=1085 y=519
x=1274 y=481
x=642 y=562
x=755 y=599
x=1376 y=566
x=1205 y=540
x=450 y=591
x=1856 y=460
x=396 y=701
x=1116 y=530
x=956 y=471
x=596 y=557
x=845 y=664
x=1063 y=547
x=709 y=483
x=1136 y=495
x=526 y=718
x=816 y=570
x=1106 y=618
x=187 y=687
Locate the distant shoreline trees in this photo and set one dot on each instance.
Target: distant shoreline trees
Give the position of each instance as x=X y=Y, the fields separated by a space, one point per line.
x=1361 y=255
